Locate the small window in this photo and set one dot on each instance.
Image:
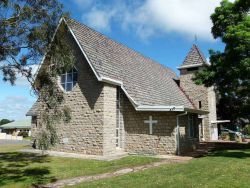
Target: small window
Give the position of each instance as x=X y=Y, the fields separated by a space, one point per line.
x=69 y=79
x=200 y=105
x=192 y=69
x=191 y=126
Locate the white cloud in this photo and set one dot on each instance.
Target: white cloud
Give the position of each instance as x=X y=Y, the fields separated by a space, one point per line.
x=14 y=107
x=99 y=19
x=150 y=18
x=22 y=81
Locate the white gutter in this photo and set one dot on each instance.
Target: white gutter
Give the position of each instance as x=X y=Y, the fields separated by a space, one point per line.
x=221 y=121
x=178 y=131
x=160 y=108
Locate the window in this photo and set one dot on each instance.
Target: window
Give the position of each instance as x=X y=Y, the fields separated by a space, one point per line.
x=200 y=105
x=69 y=79
x=191 y=126
x=192 y=69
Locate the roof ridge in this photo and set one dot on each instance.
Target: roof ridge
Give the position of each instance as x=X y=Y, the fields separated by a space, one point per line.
x=124 y=45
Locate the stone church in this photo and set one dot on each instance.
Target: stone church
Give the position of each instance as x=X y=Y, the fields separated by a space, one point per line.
x=121 y=100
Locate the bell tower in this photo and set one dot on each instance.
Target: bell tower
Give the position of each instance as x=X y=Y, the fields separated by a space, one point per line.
x=202 y=97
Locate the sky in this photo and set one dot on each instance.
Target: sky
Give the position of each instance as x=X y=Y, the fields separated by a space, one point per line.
x=163 y=30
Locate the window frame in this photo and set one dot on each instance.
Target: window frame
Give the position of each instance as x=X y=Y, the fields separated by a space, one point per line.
x=73 y=83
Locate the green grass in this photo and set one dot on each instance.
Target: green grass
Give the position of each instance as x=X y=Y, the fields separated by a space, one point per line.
x=229 y=168
x=24 y=169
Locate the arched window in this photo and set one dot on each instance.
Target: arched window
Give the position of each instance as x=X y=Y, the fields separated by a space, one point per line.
x=69 y=79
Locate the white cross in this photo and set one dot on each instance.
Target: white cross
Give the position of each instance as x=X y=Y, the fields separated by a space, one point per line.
x=150 y=122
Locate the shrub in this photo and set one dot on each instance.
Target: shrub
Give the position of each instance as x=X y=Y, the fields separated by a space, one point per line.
x=23 y=133
x=225 y=136
x=247 y=129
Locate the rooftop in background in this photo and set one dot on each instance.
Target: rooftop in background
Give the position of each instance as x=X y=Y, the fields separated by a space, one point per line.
x=20 y=124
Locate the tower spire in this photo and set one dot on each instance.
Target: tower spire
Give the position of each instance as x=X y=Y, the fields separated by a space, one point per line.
x=195 y=39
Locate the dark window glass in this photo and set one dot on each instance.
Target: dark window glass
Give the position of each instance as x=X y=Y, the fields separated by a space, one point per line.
x=200 y=105
x=69 y=87
x=192 y=68
x=63 y=78
x=75 y=77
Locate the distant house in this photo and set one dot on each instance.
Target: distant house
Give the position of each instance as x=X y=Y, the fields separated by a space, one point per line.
x=17 y=128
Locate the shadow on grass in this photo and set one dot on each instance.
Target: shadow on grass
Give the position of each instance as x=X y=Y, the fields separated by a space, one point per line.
x=17 y=167
x=239 y=154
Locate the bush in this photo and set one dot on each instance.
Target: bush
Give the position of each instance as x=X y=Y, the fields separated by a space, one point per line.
x=23 y=133
x=247 y=129
x=225 y=136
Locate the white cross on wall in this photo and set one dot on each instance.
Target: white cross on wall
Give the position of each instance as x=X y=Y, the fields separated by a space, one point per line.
x=150 y=122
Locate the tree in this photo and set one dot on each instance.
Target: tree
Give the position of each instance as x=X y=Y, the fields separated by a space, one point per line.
x=4 y=121
x=27 y=30
x=230 y=70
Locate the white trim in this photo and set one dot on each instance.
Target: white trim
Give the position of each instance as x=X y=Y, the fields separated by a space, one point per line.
x=111 y=81
x=160 y=108
x=221 y=121
x=190 y=66
x=79 y=45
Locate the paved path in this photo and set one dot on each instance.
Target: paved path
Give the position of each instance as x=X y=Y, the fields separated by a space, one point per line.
x=13 y=142
x=77 y=180
x=115 y=156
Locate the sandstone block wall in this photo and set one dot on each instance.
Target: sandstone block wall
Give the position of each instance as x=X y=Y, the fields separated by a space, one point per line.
x=109 y=119
x=84 y=133
x=137 y=137
x=197 y=93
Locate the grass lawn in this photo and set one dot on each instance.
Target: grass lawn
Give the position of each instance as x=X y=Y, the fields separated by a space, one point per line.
x=24 y=169
x=221 y=169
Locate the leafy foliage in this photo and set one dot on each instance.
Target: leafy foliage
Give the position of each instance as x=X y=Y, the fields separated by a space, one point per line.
x=27 y=30
x=230 y=70
x=4 y=121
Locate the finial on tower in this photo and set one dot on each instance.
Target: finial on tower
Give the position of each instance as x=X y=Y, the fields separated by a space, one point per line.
x=195 y=39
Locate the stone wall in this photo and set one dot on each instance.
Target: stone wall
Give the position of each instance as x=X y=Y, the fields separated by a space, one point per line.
x=197 y=93
x=91 y=125
x=109 y=119
x=137 y=137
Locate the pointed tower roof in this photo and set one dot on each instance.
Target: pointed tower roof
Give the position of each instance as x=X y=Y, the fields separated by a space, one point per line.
x=195 y=58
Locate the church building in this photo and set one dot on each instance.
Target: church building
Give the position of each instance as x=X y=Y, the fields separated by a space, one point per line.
x=121 y=100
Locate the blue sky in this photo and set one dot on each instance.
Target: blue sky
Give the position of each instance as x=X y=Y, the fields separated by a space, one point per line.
x=163 y=30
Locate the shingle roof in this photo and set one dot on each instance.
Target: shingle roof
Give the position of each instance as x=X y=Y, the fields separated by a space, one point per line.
x=146 y=81
x=17 y=124
x=33 y=110
x=194 y=57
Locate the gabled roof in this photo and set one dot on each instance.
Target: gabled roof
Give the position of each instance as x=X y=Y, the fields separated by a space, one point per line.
x=194 y=58
x=150 y=86
x=17 y=124
x=145 y=81
x=33 y=110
